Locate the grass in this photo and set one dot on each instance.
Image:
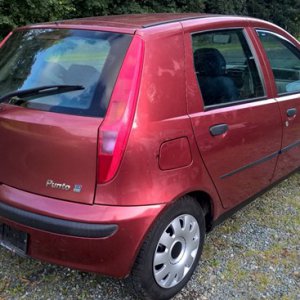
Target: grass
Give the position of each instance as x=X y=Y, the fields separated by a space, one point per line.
x=251 y=270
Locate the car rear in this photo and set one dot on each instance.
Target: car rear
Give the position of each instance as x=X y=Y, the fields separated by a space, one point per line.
x=97 y=140
x=50 y=139
x=67 y=103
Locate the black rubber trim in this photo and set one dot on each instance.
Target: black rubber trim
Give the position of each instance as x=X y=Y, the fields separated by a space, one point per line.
x=262 y=160
x=179 y=20
x=255 y=163
x=55 y=225
x=287 y=148
x=233 y=103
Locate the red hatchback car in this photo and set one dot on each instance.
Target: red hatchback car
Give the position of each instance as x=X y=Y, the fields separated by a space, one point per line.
x=124 y=139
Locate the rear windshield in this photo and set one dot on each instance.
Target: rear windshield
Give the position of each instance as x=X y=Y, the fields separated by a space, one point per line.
x=53 y=57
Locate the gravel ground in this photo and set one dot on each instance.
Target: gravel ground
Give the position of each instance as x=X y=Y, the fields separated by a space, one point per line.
x=253 y=255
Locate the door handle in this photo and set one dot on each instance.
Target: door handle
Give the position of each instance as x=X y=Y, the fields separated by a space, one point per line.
x=291 y=112
x=218 y=129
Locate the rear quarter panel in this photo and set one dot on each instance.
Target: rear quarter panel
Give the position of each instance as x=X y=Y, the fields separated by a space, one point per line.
x=161 y=115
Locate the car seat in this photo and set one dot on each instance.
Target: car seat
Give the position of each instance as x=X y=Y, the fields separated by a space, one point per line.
x=216 y=87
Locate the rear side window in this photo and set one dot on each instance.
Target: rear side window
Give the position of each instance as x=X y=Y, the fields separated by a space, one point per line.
x=225 y=67
x=50 y=57
x=284 y=58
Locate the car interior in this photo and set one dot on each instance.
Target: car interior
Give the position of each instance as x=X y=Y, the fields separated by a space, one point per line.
x=225 y=67
x=215 y=84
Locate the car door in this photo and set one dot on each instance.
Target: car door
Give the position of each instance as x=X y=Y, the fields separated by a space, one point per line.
x=236 y=125
x=283 y=61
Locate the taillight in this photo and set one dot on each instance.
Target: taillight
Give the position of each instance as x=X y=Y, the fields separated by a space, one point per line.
x=5 y=39
x=115 y=129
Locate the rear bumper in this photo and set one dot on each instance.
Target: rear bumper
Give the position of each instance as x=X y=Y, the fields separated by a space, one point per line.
x=95 y=238
x=55 y=225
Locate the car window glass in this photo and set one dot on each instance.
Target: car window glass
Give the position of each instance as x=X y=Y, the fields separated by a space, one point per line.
x=284 y=58
x=225 y=67
x=45 y=57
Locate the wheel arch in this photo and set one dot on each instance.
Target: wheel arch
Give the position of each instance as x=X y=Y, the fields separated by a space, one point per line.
x=207 y=205
x=202 y=198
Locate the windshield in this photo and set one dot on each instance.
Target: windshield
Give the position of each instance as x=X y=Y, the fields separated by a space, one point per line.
x=52 y=57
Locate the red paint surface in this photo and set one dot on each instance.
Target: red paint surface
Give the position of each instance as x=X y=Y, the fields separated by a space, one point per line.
x=175 y=154
x=111 y=256
x=37 y=146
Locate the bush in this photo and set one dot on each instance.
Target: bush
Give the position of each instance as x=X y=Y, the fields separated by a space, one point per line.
x=14 y=13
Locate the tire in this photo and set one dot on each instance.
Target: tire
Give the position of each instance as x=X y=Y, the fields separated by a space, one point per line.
x=170 y=252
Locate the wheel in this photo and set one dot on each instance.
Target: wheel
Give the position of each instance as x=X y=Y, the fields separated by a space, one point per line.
x=170 y=252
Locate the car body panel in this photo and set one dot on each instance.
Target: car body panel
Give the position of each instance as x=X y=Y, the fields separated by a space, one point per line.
x=232 y=158
x=123 y=22
x=157 y=120
x=112 y=255
x=46 y=146
x=289 y=158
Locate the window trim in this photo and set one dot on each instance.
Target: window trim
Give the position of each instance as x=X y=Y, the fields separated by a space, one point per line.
x=274 y=33
x=280 y=37
x=233 y=103
x=256 y=60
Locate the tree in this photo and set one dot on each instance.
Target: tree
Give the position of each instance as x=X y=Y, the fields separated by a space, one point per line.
x=285 y=13
x=13 y=13
x=233 y=7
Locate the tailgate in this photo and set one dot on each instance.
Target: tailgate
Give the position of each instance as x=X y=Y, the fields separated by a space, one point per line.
x=55 y=87
x=48 y=153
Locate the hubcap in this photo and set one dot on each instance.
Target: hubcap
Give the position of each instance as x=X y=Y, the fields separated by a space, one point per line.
x=176 y=251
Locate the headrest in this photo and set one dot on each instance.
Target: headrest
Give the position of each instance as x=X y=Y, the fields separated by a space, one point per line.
x=209 y=62
x=82 y=74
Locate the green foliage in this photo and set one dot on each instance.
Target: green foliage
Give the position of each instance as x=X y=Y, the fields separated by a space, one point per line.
x=232 y=7
x=285 y=13
x=14 y=13
x=20 y=12
x=88 y=8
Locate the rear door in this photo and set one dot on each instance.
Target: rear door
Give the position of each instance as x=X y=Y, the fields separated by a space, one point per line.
x=283 y=60
x=49 y=136
x=236 y=125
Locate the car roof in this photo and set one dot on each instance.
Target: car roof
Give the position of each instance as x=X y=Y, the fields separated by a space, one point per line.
x=135 y=21
x=121 y=23
x=132 y=23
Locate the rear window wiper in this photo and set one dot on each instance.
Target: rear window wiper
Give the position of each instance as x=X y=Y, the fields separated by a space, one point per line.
x=20 y=96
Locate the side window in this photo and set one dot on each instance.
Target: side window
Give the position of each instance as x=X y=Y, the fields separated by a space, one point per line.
x=284 y=58
x=225 y=67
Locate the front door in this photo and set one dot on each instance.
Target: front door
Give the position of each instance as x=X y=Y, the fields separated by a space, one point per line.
x=284 y=63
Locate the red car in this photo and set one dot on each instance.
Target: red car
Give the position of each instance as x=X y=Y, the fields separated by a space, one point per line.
x=124 y=139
